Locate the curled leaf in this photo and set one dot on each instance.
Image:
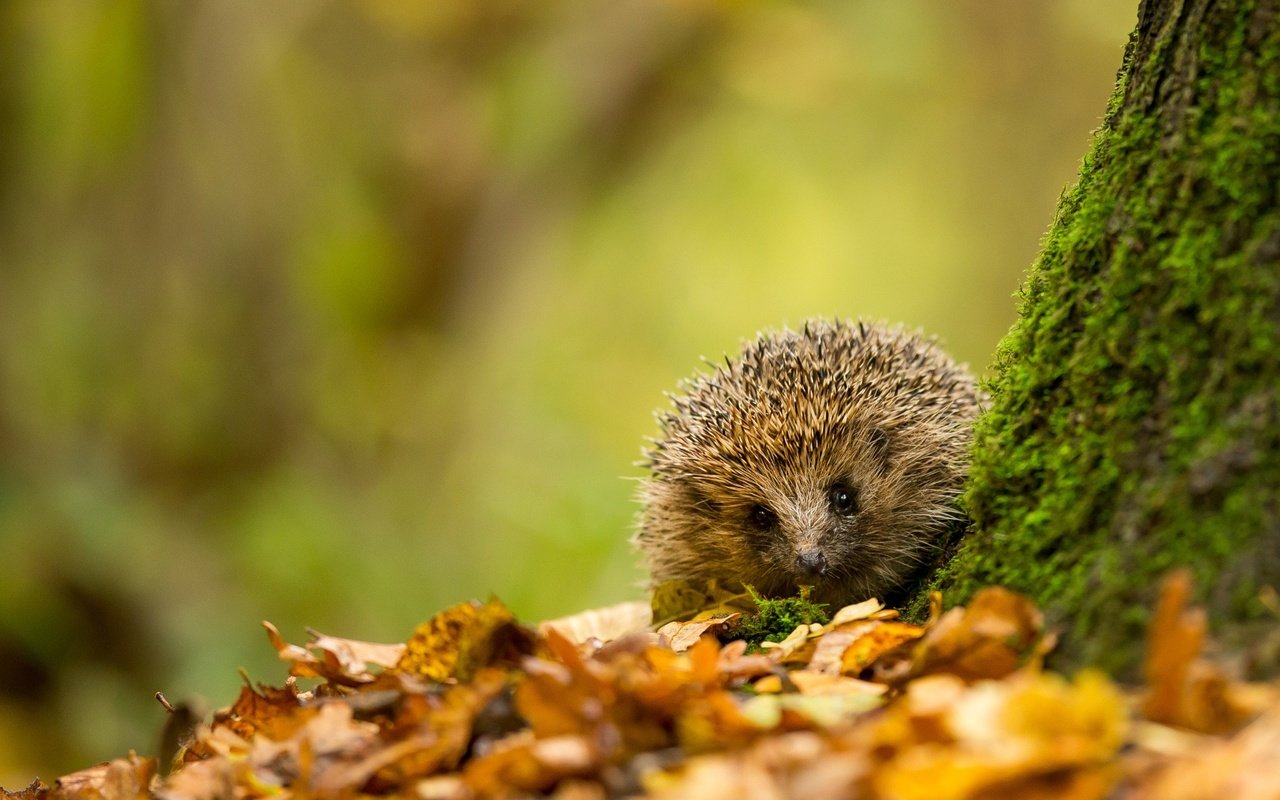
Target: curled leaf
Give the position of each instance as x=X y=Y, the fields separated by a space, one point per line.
x=345 y=661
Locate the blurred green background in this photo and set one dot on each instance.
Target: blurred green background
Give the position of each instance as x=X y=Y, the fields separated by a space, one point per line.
x=336 y=313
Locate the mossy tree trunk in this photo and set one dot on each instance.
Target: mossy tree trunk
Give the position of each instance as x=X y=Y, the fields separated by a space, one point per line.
x=1134 y=422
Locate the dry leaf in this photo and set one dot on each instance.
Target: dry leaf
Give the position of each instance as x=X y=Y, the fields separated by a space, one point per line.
x=1244 y=767
x=274 y=713
x=460 y=640
x=796 y=647
x=36 y=790
x=857 y=645
x=604 y=624
x=819 y=683
x=477 y=706
x=344 y=661
x=530 y=764
x=855 y=613
x=681 y=636
x=684 y=599
x=126 y=778
x=1173 y=642
x=1033 y=735
x=996 y=634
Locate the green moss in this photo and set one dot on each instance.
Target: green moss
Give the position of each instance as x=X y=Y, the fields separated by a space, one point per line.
x=778 y=617
x=1135 y=417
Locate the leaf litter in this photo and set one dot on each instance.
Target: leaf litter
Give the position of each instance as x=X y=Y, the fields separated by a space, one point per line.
x=599 y=705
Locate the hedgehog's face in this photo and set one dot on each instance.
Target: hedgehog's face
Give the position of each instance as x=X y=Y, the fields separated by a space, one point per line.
x=810 y=518
x=849 y=514
x=807 y=536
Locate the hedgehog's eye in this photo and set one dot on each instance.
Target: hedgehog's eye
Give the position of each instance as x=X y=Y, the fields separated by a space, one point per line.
x=761 y=517
x=844 y=499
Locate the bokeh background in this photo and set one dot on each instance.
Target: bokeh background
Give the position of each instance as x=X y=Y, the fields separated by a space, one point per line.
x=337 y=312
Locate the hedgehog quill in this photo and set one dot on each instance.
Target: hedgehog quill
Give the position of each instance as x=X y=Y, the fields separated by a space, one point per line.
x=831 y=458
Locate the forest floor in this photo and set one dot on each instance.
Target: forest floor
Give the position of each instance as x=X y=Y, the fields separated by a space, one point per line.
x=860 y=705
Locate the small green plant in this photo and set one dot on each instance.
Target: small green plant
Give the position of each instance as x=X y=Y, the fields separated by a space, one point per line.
x=777 y=617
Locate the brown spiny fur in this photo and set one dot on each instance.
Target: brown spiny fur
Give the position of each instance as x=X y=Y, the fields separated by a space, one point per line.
x=757 y=458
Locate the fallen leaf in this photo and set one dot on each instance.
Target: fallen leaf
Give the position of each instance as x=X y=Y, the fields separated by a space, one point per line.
x=857 y=645
x=126 y=778
x=36 y=790
x=735 y=664
x=274 y=713
x=1174 y=638
x=477 y=706
x=441 y=726
x=683 y=635
x=1033 y=735
x=209 y=779
x=855 y=613
x=530 y=764
x=997 y=633
x=793 y=649
x=460 y=640
x=811 y=682
x=344 y=661
x=794 y=764
x=1243 y=767
x=604 y=624
x=683 y=599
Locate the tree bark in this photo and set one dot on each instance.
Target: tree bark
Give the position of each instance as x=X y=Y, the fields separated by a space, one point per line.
x=1134 y=422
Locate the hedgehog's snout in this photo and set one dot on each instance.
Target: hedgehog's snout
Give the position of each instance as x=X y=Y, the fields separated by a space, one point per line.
x=811 y=563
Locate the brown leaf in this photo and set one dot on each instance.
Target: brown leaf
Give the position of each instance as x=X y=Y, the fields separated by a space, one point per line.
x=355 y=657
x=529 y=764
x=733 y=663
x=462 y=639
x=996 y=634
x=885 y=639
x=211 y=779
x=572 y=789
x=854 y=646
x=1241 y=768
x=303 y=663
x=441 y=787
x=682 y=635
x=551 y=700
x=321 y=751
x=342 y=661
x=126 y=778
x=603 y=624
x=274 y=713
x=36 y=790
x=441 y=726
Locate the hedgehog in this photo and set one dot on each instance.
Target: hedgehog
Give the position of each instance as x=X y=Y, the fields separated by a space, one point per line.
x=827 y=460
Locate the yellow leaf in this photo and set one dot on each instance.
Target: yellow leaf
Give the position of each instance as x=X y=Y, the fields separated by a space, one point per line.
x=683 y=599
x=460 y=640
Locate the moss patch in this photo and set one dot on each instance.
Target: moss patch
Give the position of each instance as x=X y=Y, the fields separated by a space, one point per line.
x=778 y=617
x=1135 y=418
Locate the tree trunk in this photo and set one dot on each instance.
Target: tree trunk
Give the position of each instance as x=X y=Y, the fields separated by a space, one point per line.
x=1134 y=422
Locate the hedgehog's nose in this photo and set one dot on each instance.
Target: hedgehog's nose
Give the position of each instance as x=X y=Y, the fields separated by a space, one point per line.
x=811 y=563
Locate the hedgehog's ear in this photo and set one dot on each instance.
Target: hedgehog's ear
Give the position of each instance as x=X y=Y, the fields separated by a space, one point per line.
x=879 y=445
